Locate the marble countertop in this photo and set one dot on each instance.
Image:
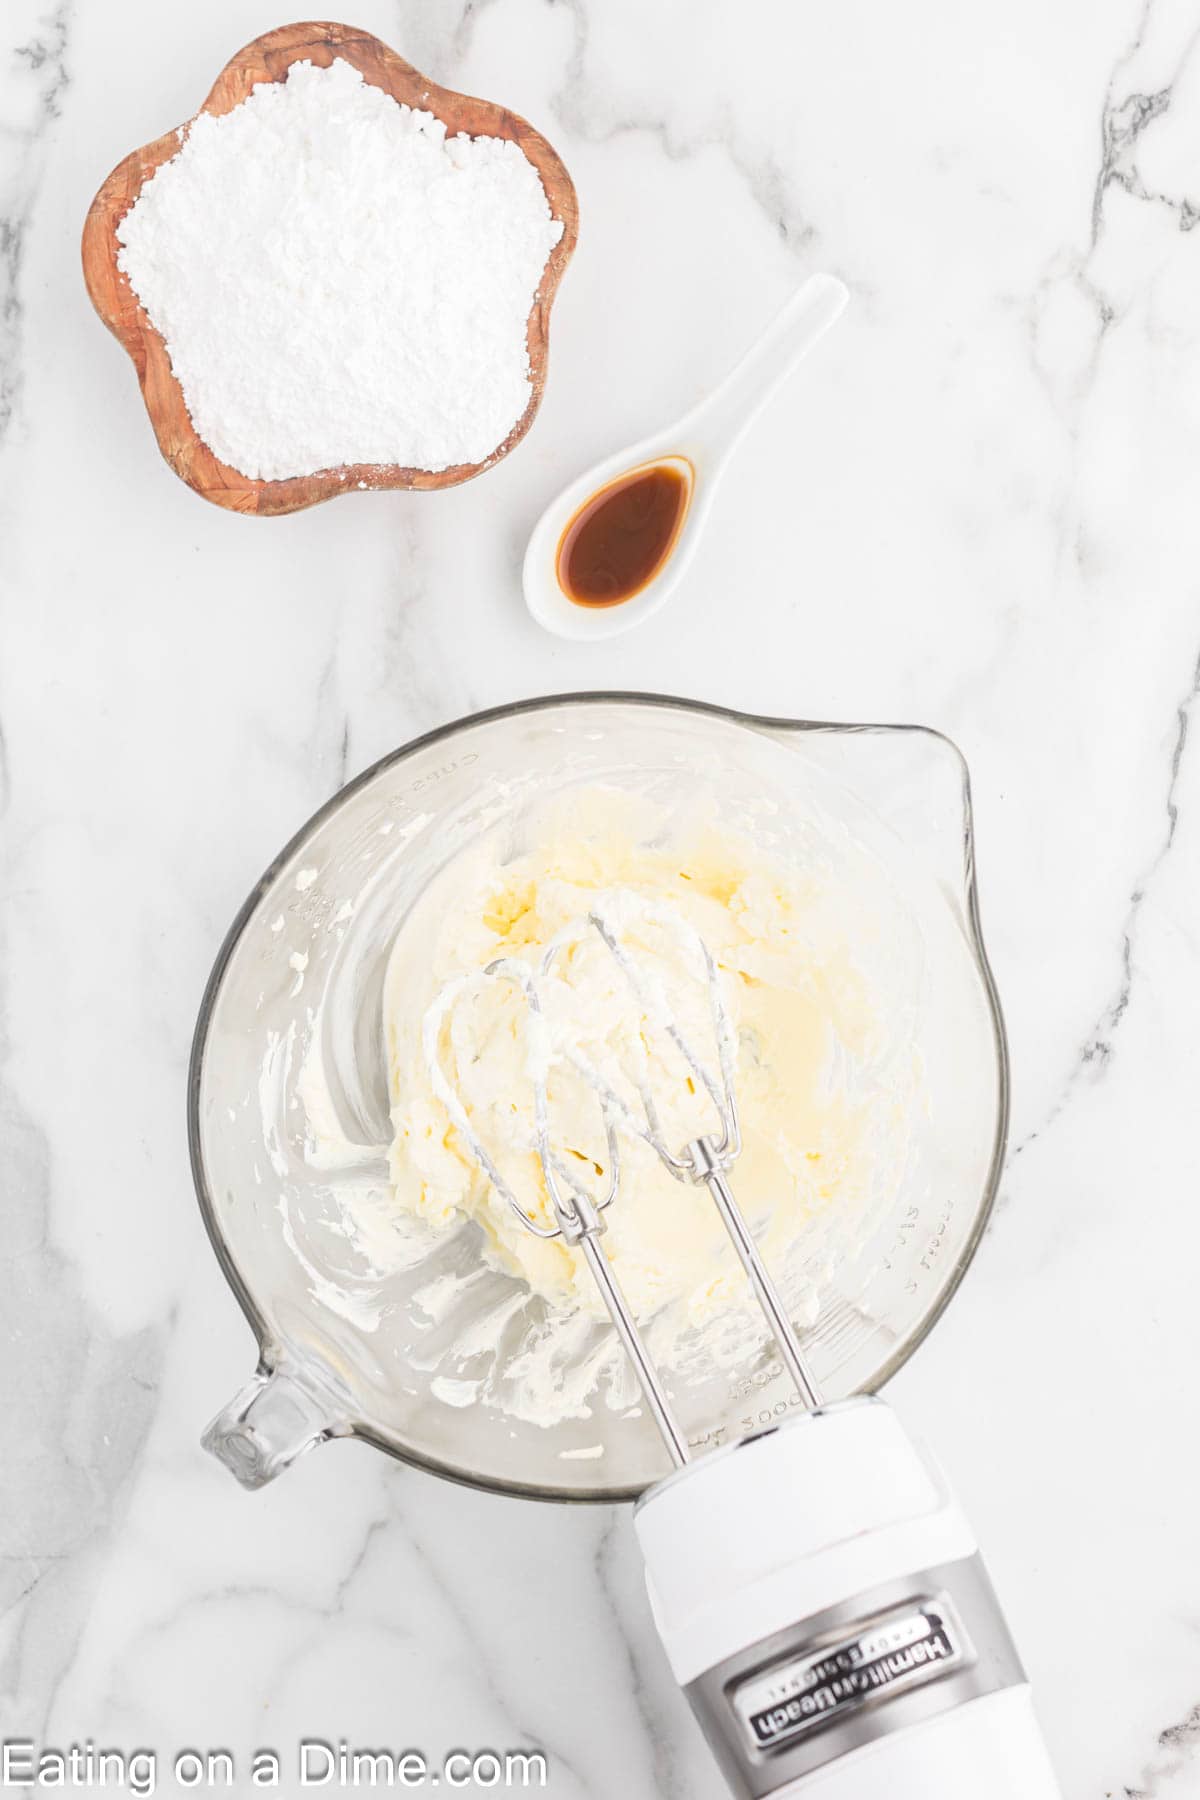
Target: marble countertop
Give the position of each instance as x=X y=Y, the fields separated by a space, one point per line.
x=976 y=508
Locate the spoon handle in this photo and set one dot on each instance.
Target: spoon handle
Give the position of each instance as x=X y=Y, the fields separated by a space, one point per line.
x=716 y=425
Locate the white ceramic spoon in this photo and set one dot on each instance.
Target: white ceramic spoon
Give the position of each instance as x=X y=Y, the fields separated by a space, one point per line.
x=699 y=446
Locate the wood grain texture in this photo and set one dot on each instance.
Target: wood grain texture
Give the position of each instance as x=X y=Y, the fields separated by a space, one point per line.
x=269 y=59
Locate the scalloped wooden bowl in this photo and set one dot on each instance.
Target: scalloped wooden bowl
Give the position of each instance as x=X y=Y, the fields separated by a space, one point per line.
x=269 y=59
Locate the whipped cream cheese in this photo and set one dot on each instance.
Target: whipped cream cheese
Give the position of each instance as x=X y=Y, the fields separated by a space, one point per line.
x=826 y=1081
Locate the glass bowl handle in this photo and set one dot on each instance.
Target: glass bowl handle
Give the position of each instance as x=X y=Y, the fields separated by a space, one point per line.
x=275 y=1418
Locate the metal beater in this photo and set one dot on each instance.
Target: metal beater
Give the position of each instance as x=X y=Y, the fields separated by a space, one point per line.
x=705 y=1160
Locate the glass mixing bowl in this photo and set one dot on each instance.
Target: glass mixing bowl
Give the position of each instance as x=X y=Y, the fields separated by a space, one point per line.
x=345 y=1350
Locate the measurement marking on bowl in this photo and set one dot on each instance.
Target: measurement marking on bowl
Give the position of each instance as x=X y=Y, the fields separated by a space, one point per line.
x=427 y=781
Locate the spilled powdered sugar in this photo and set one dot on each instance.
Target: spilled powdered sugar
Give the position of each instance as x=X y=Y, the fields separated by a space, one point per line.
x=338 y=281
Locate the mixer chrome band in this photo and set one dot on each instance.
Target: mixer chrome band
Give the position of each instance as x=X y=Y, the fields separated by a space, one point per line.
x=895 y=1656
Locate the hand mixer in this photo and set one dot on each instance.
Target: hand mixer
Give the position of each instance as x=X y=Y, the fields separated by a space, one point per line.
x=819 y=1594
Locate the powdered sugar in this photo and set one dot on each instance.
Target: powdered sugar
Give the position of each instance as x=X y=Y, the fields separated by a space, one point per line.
x=339 y=282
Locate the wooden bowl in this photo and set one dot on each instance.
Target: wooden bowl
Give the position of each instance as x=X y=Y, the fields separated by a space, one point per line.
x=269 y=59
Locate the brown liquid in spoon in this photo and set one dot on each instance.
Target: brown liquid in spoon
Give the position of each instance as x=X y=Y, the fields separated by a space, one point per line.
x=621 y=537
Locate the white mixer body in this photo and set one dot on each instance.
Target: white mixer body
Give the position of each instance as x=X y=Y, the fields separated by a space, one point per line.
x=823 y=1605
